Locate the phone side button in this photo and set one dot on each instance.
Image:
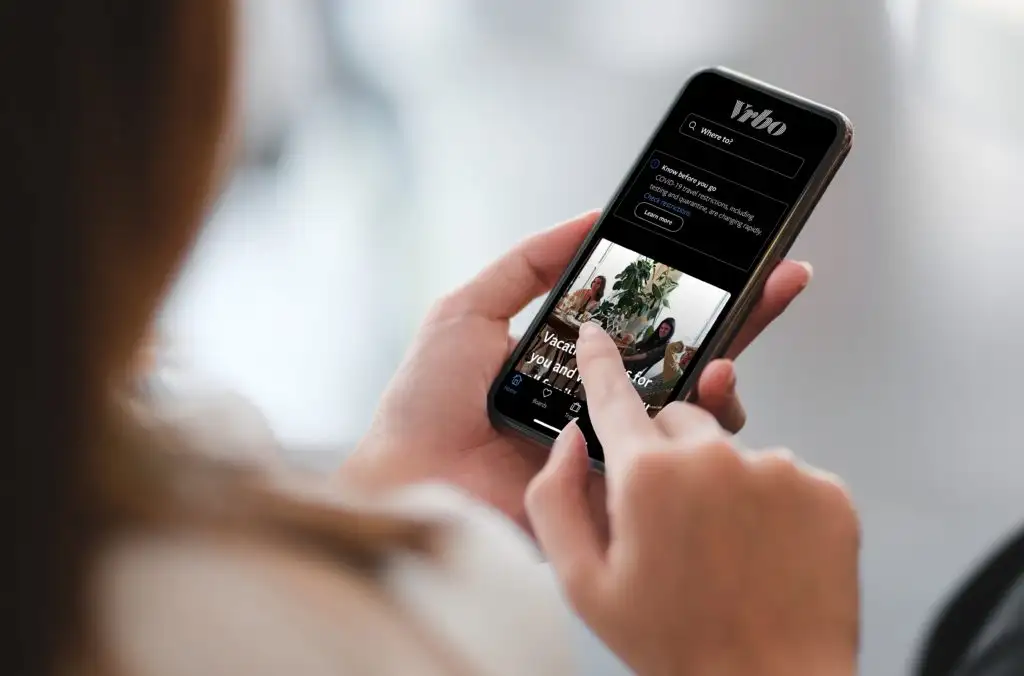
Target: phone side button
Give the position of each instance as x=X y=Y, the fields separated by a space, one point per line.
x=646 y=211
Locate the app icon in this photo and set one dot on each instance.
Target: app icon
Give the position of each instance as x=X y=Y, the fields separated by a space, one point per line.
x=517 y=380
x=575 y=408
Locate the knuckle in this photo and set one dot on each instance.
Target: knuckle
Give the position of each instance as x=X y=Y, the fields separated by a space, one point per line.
x=778 y=464
x=649 y=470
x=601 y=359
x=683 y=413
x=837 y=500
x=667 y=477
x=843 y=526
x=723 y=460
x=713 y=462
x=602 y=379
x=834 y=487
x=451 y=304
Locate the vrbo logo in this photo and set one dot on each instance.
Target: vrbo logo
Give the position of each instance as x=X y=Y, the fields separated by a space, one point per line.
x=758 y=119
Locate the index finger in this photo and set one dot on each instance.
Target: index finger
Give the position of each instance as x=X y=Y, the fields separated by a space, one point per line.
x=617 y=413
x=530 y=269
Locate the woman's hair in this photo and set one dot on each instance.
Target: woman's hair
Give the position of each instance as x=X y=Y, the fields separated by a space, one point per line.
x=113 y=118
x=656 y=339
x=599 y=293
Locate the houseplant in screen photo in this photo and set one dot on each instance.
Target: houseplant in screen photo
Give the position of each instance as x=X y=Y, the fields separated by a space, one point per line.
x=639 y=294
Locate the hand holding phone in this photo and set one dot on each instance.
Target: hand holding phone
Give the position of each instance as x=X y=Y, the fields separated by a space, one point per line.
x=432 y=422
x=675 y=265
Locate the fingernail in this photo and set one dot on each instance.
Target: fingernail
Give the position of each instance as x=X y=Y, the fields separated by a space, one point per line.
x=590 y=330
x=808 y=267
x=565 y=438
x=732 y=377
x=568 y=430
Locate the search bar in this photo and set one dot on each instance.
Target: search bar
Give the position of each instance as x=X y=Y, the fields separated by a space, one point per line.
x=742 y=146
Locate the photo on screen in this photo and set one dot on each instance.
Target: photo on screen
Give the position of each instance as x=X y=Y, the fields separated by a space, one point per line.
x=657 y=315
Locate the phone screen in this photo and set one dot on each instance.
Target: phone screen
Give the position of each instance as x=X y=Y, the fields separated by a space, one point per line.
x=671 y=255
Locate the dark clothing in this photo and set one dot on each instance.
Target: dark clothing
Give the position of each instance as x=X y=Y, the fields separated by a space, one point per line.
x=981 y=631
x=651 y=350
x=643 y=361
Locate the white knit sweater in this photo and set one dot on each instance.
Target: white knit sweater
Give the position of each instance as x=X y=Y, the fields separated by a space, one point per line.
x=196 y=605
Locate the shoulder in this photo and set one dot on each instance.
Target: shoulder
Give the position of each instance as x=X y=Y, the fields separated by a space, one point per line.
x=488 y=592
x=491 y=575
x=217 y=422
x=197 y=605
x=193 y=605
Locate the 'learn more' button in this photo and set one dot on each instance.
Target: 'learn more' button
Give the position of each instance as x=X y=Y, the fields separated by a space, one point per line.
x=659 y=217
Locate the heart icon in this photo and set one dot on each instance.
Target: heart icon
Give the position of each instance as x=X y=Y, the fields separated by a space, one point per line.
x=546 y=392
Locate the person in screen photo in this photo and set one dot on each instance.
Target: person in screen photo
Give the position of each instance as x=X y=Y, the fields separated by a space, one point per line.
x=657 y=391
x=578 y=305
x=587 y=299
x=649 y=351
x=629 y=295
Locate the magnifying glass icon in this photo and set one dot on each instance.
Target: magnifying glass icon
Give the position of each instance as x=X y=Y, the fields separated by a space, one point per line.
x=693 y=126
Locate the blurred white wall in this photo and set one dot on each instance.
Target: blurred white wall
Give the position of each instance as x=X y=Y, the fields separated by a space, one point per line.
x=395 y=146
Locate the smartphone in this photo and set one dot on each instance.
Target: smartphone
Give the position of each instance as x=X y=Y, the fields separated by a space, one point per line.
x=680 y=255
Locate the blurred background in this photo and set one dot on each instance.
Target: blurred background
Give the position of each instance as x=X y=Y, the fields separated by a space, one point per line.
x=393 y=147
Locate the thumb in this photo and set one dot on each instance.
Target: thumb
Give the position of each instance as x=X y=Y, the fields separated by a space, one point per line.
x=558 y=506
